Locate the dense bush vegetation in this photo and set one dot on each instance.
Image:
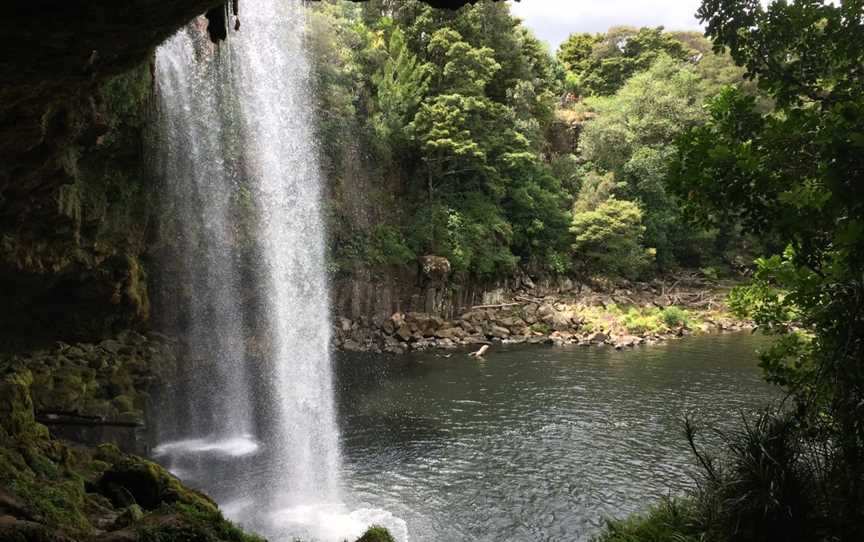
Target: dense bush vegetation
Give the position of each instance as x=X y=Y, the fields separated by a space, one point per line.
x=455 y=113
x=792 y=174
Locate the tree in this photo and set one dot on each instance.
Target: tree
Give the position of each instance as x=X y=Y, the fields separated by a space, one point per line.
x=462 y=68
x=797 y=173
x=576 y=52
x=596 y=188
x=633 y=135
x=606 y=239
x=451 y=107
x=601 y=64
x=401 y=83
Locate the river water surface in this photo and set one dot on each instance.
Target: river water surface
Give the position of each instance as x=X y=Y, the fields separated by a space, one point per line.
x=534 y=443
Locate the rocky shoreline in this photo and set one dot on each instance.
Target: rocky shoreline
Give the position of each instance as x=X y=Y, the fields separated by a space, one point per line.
x=620 y=317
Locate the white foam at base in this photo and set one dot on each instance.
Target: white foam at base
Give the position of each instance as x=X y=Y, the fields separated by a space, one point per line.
x=232 y=447
x=334 y=523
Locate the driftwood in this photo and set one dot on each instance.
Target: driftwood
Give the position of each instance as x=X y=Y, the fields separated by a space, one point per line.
x=82 y=420
x=498 y=306
x=479 y=353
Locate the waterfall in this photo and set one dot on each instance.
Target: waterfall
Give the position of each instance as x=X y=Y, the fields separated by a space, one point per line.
x=251 y=418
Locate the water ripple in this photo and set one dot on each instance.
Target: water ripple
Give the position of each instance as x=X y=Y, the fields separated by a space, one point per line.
x=536 y=443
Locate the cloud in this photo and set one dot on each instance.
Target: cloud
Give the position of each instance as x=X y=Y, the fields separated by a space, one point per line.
x=553 y=20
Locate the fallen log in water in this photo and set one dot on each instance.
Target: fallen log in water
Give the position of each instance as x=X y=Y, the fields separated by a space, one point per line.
x=479 y=353
x=498 y=306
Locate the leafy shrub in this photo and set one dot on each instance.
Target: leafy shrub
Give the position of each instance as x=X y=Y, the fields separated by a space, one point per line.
x=669 y=521
x=638 y=320
x=675 y=317
x=770 y=483
x=606 y=240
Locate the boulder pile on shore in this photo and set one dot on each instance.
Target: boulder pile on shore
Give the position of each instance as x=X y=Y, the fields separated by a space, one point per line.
x=622 y=319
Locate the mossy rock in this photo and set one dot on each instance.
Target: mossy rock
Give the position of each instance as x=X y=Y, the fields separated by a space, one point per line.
x=131 y=514
x=66 y=492
x=124 y=403
x=376 y=533
x=146 y=482
x=180 y=523
x=16 y=405
x=29 y=531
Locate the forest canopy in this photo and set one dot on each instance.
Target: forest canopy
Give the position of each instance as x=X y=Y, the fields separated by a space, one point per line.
x=495 y=142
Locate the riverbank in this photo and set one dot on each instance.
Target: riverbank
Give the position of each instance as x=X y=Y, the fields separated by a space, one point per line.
x=621 y=316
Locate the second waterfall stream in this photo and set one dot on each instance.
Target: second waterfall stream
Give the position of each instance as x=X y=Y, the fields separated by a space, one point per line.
x=252 y=410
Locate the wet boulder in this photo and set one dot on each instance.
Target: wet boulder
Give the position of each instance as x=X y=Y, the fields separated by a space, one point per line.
x=498 y=332
x=450 y=333
x=376 y=533
x=143 y=482
x=598 y=338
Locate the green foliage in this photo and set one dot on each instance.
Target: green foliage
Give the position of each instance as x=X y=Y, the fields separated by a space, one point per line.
x=455 y=104
x=401 y=83
x=795 y=174
x=384 y=246
x=669 y=521
x=633 y=137
x=576 y=53
x=607 y=239
x=459 y=107
x=461 y=68
x=649 y=111
x=642 y=320
x=769 y=483
x=596 y=189
x=675 y=317
x=600 y=64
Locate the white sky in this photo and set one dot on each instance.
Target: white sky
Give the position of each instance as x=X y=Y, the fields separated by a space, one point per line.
x=553 y=20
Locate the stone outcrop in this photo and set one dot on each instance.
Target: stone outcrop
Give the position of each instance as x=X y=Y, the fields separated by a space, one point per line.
x=95 y=392
x=74 y=213
x=54 y=492
x=617 y=317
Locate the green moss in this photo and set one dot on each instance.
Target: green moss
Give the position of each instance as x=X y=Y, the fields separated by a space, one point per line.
x=147 y=483
x=58 y=504
x=125 y=94
x=129 y=516
x=123 y=403
x=181 y=522
x=541 y=327
x=376 y=533
x=16 y=405
x=69 y=491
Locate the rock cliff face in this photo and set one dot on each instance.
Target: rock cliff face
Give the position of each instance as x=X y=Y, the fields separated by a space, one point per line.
x=73 y=216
